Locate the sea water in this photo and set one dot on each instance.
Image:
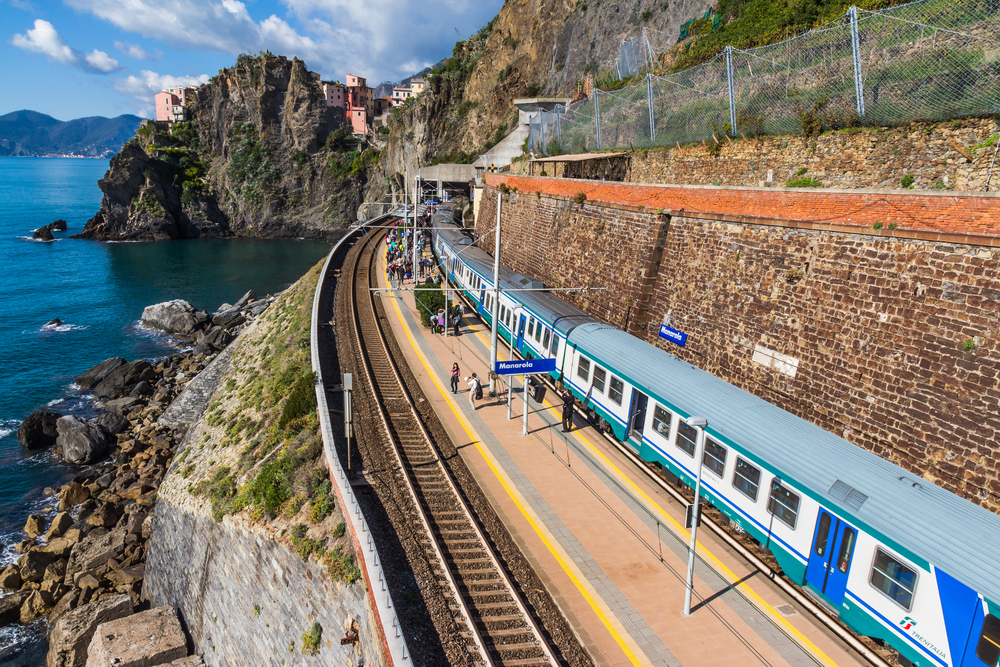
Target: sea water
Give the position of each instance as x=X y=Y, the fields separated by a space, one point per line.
x=98 y=291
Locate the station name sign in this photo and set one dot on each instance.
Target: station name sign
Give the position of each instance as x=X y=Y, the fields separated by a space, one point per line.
x=673 y=335
x=525 y=366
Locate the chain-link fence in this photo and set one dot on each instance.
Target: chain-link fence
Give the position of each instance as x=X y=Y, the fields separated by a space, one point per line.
x=930 y=59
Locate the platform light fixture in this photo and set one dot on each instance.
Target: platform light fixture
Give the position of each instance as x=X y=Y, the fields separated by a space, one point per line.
x=700 y=424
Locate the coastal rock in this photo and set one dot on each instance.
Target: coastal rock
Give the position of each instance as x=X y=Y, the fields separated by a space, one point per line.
x=43 y=234
x=32 y=565
x=71 y=635
x=141 y=389
x=37 y=605
x=52 y=324
x=121 y=380
x=80 y=441
x=177 y=316
x=151 y=637
x=38 y=431
x=94 y=552
x=73 y=494
x=190 y=661
x=10 y=579
x=58 y=226
x=122 y=405
x=93 y=376
x=66 y=603
x=246 y=300
x=60 y=547
x=56 y=571
x=105 y=516
x=60 y=524
x=10 y=607
x=35 y=525
x=258 y=307
x=111 y=423
x=230 y=318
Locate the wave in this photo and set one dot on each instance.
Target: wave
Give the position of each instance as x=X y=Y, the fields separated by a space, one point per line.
x=62 y=327
x=15 y=638
x=31 y=238
x=8 y=426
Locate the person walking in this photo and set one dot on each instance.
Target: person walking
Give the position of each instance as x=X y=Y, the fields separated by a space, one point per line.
x=567 y=411
x=455 y=322
x=475 y=390
x=454 y=378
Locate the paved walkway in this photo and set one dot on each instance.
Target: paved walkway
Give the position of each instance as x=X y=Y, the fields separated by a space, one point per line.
x=608 y=543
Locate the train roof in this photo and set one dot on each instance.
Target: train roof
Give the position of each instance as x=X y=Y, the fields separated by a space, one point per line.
x=562 y=315
x=931 y=524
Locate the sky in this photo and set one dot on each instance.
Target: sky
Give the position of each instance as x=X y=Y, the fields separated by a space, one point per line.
x=76 y=58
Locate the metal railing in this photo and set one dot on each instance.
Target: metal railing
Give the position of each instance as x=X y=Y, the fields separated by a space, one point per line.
x=927 y=60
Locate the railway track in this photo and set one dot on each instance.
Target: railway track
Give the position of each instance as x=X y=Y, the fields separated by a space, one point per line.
x=486 y=603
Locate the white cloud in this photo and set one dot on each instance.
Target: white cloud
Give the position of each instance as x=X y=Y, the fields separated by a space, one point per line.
x=137 y=52
x=44 y=38
x=23 y=4
x=145 y=86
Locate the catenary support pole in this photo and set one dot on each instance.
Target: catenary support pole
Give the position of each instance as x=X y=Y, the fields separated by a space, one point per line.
x=649 y=100
x=859 y=87
x=732 y=95
x=495 y=313
x=699 y=424
x=413 y=239
x=524 y=392
x=510 y=382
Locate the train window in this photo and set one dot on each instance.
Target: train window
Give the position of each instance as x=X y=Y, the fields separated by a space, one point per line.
x=583 y=368
x=846 y=549
x=822 y=534
x=616 y=390
x=661 y=421
x=538 y=331
x=600 y=375
x=545 y=341
x=783 y=503
x=746 y=478
x=531 y=327
x=715 y=456
x=555 y=346
x=687 y=436
x=988 y=648
x=896 y=580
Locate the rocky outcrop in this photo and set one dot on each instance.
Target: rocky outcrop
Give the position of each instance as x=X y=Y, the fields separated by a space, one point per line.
x=177 y=316
x=93 y=376
x=253 y=161
x=38 y=431
x=123 y=379
x=80 y=441
x=43 y=234
x=72 y=633
x=149 y=638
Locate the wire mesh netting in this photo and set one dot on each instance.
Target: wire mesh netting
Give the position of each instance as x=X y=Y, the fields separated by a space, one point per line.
x=930 y=59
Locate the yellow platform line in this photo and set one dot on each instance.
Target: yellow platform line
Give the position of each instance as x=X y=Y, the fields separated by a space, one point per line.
x=804 y=642
x=593 y=598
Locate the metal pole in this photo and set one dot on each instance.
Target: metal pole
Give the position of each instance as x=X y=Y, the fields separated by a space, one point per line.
x=597 y=115
x=348 y=417
x=649 y=99
x=524 y=392
x=859 y=88
x=509 y=380
x=494 y=328
x=413 y=240
x=559 y=124
x=649 y=50
x=732 y=96
x=699 y=424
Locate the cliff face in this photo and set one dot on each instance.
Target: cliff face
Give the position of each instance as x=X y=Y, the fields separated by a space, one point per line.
x=261 y=156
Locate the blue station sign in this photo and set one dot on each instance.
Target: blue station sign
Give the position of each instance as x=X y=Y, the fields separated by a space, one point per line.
x=673 y=335
x=525 y=366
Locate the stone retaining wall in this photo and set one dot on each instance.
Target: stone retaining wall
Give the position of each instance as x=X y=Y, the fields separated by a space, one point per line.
x=862 y=334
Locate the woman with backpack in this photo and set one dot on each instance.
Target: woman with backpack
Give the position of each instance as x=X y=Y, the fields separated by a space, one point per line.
x=475 y=390
x=454 y=378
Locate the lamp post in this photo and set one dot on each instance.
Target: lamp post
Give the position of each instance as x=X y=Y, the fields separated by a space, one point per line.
x=699 y=423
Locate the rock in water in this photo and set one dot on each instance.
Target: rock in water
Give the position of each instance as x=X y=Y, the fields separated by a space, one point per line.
x=93 y=377
x=72 y=633
x=38 y=431
x=43 y=234
x=52 y=324
x=246 y=299
x=177 y=316
x=80 y=441
x=124 y=378
x=58 y=226
x=10 y=608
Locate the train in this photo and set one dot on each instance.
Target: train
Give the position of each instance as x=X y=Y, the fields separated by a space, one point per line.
x=893 y=556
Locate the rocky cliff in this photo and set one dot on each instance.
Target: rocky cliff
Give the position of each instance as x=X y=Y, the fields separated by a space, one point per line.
x=261 y=156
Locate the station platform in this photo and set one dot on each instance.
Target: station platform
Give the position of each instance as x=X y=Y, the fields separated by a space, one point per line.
x=609 y=544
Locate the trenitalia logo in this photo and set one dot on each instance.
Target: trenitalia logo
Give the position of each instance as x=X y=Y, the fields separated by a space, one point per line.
x=907 y=623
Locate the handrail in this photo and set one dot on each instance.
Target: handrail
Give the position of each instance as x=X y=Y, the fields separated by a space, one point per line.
x=393 y=642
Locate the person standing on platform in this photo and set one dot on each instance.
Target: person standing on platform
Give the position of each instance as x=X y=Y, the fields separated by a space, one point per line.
x=475 y=390
x=454 y=378
x=455 y=322
x=567 y=411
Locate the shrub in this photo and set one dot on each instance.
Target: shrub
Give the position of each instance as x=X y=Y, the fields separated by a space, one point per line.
x=804 y=183
x=429 y=302
x=801 y=171
x=339 y=529
x=301 y=401
x=579 y=197
x=322 y=504
x=906 y=181
x=311 y=639
x=341 y=566
x=969 y=345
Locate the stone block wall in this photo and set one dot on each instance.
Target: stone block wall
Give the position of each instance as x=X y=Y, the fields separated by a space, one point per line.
x=214 y=574
x=861 y=333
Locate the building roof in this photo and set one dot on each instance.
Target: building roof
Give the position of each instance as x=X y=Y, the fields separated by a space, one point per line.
x=927 y=522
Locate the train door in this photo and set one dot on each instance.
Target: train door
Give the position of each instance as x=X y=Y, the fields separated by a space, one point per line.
x=637 y=414
x=482 y=301
x=830 y=557
x=520 y=330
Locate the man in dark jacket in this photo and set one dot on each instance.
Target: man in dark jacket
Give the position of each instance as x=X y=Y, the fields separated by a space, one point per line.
x=567 y=412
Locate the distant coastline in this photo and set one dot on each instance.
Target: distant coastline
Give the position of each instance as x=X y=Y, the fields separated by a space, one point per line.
x=104 y=156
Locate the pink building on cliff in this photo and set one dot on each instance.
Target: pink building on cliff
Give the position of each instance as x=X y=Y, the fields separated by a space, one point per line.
x=355 y=98
x=170 y=104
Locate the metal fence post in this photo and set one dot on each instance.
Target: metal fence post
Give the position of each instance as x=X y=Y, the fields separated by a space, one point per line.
x=541 y=127
x=597 y=115
x=649 y=49
x=732 y=96
x=649 y=99
x=559 y=123
x=859 y=88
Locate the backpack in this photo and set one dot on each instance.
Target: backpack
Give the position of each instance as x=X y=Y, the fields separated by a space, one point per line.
x=479 y=390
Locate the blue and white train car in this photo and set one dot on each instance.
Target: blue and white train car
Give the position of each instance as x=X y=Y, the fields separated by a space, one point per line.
x=894 y=556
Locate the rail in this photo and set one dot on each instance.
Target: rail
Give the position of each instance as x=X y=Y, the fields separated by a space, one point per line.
x=393 y=642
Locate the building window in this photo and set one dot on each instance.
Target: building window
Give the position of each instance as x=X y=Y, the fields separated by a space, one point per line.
x=687 y=436
x=661 y=421
x=715 y=456
x=583 y=368
x=616 y=390
x=746 y=478
x=895 y=580
x=783 y=503
x=600 y=375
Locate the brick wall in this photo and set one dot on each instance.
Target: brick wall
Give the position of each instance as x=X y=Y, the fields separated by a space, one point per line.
x=876 y=323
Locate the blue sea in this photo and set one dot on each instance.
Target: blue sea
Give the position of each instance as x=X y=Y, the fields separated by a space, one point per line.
x=98 y=290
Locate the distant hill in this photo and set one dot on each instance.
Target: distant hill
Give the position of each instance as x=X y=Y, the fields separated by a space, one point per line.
x=29 y=133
